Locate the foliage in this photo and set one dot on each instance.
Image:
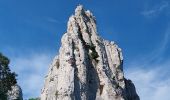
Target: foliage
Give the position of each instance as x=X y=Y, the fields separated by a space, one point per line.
x=101 y=89
x=56 y=94
x=58 y=64
x=7 y=78
x=34 y=99
x=93 y=55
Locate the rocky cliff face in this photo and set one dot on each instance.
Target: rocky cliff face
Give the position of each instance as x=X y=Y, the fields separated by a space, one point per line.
x=87 y=67
x=15 y=93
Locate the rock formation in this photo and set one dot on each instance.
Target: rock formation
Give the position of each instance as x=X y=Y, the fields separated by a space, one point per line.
x=87 y=67
x=15 y=93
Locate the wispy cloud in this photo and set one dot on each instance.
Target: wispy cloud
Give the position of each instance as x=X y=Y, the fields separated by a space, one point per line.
x=162 y=46
x=151 y=83
x=155 y=10
x=31 y=71
x=53 y=20
x=150 y=73
x=156 y=55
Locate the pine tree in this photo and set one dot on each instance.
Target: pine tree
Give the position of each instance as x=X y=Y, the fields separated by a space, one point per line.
x=7 y=78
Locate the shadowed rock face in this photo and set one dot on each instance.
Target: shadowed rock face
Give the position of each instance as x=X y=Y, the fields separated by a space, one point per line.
x=87 y=67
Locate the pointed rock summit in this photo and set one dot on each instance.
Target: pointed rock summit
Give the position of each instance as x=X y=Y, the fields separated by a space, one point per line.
x=87 y=67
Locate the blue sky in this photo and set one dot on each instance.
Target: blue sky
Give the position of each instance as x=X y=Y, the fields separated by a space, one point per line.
x=30 y=32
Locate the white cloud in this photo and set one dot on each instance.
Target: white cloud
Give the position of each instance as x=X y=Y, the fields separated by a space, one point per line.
x=31 y=70
x=156 y=10
x=156 y=55
x=150 y=72
x=151 y=83
x=52 y=20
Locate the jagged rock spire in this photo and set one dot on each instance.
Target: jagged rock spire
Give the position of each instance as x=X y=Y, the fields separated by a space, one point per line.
x=79 y=10
x=87 y=67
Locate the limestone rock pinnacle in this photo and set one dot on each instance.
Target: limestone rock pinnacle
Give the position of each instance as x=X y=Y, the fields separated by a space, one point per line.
x=87 y=67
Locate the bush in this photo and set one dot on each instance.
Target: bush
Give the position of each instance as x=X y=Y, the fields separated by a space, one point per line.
x=93 y=55
x=34 y=99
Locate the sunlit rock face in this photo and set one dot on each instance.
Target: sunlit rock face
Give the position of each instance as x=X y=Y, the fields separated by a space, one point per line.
x=15 y=93
x=87 y=67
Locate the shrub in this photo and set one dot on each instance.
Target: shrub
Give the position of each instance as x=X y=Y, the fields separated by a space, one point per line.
x=93 y=55
x=34 y=99
x=56 y=94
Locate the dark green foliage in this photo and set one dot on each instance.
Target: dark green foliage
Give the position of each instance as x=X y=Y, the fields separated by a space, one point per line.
x=7 y=78
x=98 y=41
x=101 y=89
x=76 y=48
x=58 y=63
x=113 y=77
x=93 y=55
x=34 y=99
x=116 y=86
x=56 y=94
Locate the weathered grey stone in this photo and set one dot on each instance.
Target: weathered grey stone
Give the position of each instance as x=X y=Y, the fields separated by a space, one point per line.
x=87 y=67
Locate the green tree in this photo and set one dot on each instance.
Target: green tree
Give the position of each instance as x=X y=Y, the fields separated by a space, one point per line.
x=7 y=78
x=34 y=99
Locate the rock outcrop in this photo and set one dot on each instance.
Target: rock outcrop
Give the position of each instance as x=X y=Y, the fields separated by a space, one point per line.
x=87 y=67
x=15 y=93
